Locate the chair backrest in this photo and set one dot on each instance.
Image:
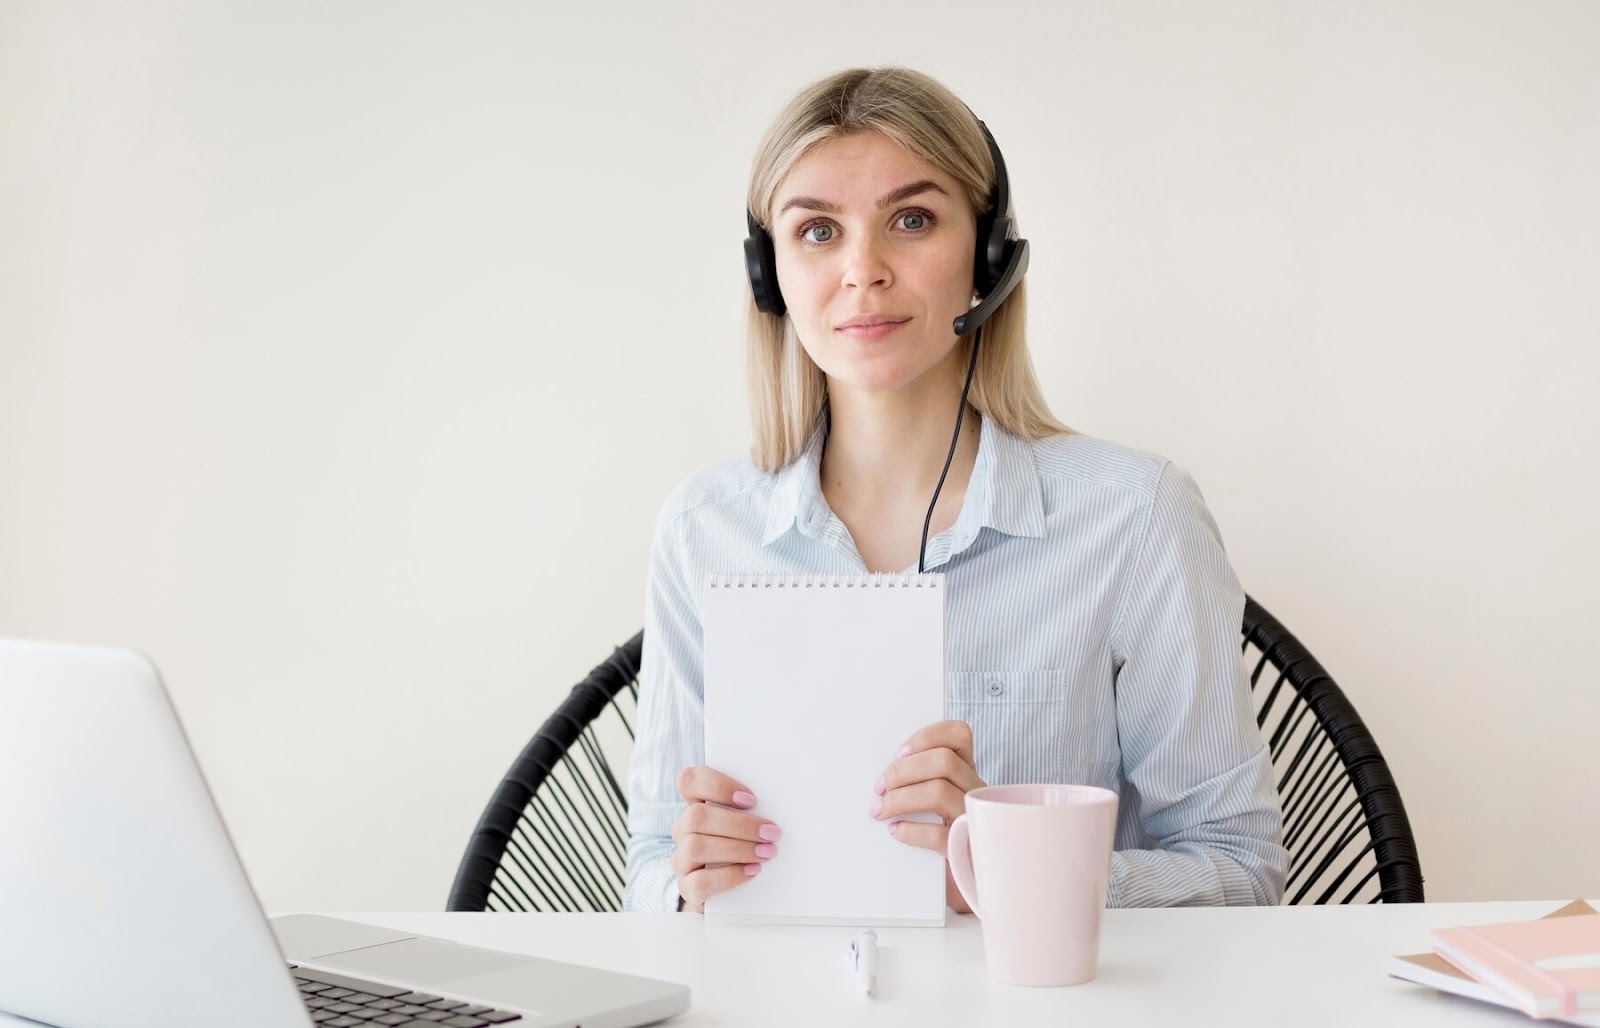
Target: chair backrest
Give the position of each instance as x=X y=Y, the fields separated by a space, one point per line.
x=1344 y=824
x=554 y=835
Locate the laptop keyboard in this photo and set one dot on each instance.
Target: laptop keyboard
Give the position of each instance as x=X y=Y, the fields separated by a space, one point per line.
x=339 y=1001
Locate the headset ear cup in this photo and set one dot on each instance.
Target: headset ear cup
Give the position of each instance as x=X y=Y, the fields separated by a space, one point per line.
x=994 y=245
x=998 y=261
x=983 y=277
x=999 y=251
x=993 y=254
x=761 y=264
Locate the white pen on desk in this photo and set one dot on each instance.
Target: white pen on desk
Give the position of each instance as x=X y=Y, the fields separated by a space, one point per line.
x=864 y=958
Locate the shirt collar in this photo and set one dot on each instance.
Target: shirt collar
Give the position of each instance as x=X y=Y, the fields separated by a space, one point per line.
x=796 y=491
x=1004 y=493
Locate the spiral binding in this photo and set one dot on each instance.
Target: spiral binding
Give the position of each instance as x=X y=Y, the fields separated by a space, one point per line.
x=770 y=580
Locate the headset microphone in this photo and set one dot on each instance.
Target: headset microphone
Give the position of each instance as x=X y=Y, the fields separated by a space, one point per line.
x=1016 y=267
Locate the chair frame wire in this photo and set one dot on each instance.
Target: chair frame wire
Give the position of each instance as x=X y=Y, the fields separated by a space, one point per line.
x=554 y=835
x=1340 y=804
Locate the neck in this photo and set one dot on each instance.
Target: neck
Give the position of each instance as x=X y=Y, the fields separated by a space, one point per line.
x=886 y=451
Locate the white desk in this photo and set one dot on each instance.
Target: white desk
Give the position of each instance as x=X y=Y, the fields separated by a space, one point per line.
x=1236 y=967
x=1269 y=966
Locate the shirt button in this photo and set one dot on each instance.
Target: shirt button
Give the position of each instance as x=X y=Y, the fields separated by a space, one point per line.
x=995 y=687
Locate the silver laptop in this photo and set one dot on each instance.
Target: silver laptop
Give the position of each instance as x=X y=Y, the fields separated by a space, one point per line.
x=123 y=903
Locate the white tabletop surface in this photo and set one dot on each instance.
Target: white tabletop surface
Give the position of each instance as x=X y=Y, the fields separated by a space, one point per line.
x=1274 y=966
x=1262 y=966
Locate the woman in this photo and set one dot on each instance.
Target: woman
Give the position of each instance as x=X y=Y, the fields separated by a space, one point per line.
x=1093 y=617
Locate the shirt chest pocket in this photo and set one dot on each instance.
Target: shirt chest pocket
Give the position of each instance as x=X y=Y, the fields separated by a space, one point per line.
x=1018 y=721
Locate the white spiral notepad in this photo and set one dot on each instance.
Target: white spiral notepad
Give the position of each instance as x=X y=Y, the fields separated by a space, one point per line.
x=812 y=683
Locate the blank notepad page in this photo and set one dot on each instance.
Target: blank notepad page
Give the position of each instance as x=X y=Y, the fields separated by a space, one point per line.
x=812 y=683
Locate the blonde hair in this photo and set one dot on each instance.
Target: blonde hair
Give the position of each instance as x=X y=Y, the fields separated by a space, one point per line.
x=788 y=392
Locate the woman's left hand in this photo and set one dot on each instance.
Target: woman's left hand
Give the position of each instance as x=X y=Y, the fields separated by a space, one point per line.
x=934 y=771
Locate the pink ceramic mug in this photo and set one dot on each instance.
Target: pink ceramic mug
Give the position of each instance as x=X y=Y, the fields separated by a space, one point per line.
x=1033 y=862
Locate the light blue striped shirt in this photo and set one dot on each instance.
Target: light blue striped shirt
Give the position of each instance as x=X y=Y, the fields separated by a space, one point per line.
x=1087 y=579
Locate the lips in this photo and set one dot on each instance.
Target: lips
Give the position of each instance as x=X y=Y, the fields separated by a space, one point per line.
x=872 y=328
x=874 y=320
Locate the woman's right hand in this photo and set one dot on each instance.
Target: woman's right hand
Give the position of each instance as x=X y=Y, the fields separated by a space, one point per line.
x=716 y=848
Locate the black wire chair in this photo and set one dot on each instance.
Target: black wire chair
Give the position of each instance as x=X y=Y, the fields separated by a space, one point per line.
x=1344 y=825
x=554 y=836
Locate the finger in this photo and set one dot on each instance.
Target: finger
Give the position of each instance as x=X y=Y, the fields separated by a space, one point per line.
x=696 y=886
x=952 y=895
x=922 y=836
x=941 y=762
x=701 y=784
x=954 y=735
x=709 y=819
x=938 y=796
x=696 y=852
x=700 y=850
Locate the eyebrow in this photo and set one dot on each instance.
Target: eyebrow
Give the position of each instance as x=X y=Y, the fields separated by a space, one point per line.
x=811 y=203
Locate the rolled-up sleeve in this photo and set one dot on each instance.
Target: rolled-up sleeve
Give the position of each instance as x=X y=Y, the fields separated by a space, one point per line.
x=670 y=733
x=1199 y=769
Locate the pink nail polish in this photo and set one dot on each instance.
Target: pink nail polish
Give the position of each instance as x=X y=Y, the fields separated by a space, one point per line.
x=743 y=799
x=751 y=870
x=875 y=809
x=770 y=833
x=894 y=827
x=881 y=787
x=766 y=851
x=905 y=751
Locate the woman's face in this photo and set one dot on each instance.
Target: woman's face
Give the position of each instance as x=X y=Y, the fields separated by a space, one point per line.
x=874 y=257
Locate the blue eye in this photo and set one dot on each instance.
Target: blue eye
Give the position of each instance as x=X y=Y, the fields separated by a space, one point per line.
x=825 y=233
x=914 y=221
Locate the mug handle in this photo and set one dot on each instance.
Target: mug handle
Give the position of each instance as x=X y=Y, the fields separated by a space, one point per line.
x=958 y=851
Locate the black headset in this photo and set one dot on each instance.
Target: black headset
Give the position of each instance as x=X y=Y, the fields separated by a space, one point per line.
x=998 y=263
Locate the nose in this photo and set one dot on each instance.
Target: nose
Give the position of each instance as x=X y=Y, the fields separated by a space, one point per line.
x=865 y=263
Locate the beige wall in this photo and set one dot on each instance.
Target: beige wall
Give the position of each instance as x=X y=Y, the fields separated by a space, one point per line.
x=346 y=352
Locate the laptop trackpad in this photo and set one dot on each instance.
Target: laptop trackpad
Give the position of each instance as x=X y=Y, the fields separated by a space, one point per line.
x=422 y=962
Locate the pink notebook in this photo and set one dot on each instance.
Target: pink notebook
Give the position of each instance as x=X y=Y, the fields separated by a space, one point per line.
x=1548 y=968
